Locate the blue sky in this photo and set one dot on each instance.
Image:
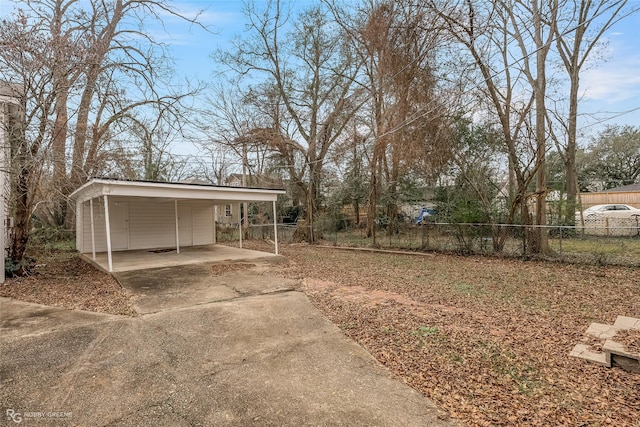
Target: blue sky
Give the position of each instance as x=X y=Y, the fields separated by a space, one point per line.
x=610 y=89
x=612 y=86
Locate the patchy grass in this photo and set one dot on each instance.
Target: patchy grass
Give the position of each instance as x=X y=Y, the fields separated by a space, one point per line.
x=581 y=248
x=487 y=339
x=627 y=246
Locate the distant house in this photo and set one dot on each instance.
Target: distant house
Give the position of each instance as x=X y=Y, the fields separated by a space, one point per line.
x=626 y=189
x=235 y=180
x=626 y=194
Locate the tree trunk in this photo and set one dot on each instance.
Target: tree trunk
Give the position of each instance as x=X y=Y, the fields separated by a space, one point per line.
x=373 y=201
x=22 y=218
x=58 y=147
x=570 y=163
x=542 y=243
x=311 y=208
x=22 y=188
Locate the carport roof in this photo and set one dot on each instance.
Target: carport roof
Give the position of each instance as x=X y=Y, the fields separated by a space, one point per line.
x=97 y=187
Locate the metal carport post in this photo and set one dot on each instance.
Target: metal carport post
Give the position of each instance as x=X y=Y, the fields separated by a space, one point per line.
x=108 y=229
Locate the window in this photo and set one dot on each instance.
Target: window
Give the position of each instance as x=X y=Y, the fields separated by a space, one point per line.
x=227 y=210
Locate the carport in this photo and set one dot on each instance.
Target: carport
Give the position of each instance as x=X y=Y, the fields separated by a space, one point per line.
x=158 y=218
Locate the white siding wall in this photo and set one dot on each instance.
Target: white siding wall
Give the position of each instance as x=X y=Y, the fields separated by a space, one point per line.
x=99 y=226
x=228 y=220
x=151 y=223
x=202 y=223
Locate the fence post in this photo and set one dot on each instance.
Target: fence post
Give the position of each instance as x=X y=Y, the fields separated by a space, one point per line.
x=561 y=228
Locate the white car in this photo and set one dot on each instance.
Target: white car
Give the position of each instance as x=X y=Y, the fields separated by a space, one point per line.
x=611 y=211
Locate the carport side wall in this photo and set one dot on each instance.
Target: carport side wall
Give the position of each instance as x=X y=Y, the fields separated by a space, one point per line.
x=151 y=224
x=203 y=216
x=98 y=224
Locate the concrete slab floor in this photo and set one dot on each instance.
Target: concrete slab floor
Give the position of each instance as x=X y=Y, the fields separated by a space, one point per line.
x=154 y=258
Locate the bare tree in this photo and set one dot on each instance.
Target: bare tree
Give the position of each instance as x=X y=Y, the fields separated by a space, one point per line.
x=397 y=42
x=542 y=34
x=74 y=60
x=492 y=33
x=215 y=165
x=30 y=131
x=576 y=39
x=227 y=122
x=308 y=73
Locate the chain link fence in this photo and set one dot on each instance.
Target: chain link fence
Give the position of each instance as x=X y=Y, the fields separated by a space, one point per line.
x=596 y=241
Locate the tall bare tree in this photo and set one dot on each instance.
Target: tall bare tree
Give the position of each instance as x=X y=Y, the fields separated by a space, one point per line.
x=397 y=42
x=508 y=42
x=543 y=15
x=307 y=74
x=74 y=60
x=23 y=59
x=578 y=30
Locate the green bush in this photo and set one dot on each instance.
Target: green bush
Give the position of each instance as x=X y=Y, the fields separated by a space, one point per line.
x=12 y=268
x=52 y=238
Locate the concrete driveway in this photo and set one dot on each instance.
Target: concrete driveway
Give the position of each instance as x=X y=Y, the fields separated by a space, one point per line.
x=238 y=349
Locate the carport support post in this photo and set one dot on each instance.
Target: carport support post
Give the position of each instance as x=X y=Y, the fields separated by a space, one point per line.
x=108 y=229
x=177 y=232
x=240 y=224
x=215 y=220
x=93 y=232
x=275 y=226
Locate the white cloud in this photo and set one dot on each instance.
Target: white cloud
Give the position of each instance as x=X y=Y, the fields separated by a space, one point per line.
x=617 y=78
x=613 y=81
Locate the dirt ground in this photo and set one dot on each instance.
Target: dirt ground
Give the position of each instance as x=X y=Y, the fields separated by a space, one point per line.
x=487 y=339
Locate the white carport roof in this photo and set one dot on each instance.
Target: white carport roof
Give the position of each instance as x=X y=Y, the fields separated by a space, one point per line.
x=171 y=190
x=219 y=195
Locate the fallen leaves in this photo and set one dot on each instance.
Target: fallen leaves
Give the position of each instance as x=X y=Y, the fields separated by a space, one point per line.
x=630 y=339
x=67 y=281
x=486 y=339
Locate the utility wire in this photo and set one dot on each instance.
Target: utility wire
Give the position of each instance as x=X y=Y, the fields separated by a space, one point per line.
x=424 y=112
